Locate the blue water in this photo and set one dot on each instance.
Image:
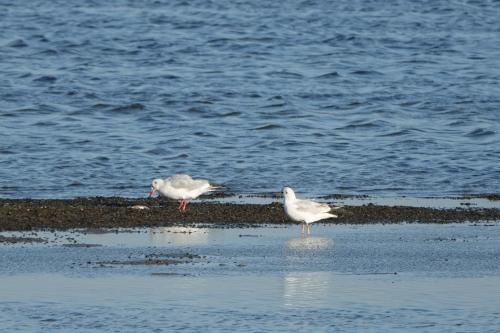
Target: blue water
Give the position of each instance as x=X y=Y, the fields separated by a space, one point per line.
x=373 y=97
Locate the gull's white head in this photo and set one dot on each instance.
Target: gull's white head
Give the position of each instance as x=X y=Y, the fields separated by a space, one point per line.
x=288 y=193
x=155 y=186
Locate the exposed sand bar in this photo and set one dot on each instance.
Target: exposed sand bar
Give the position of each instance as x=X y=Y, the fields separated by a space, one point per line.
x=27 y=214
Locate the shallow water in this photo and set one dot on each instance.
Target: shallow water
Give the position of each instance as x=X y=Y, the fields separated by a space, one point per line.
x=387 y=98
x=297 y=301
x=342 y=278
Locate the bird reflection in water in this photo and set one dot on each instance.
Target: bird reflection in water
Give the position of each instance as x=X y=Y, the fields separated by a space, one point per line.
x=309 y=243
x=307 y=289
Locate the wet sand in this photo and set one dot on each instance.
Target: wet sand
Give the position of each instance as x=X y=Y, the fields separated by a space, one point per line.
x=115 y=212
x=17 y=240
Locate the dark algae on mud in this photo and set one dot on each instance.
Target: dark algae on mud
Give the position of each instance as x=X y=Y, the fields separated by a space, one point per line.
x=113 y=212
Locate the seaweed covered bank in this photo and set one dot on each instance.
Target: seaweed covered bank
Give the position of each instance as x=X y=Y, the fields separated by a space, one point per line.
x=112 y=212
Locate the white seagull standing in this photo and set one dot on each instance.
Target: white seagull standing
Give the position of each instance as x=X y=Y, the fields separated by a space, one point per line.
x=181 y=187
x=305 y=211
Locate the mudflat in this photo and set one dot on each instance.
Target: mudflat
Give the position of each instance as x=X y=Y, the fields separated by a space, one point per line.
x=116 y=212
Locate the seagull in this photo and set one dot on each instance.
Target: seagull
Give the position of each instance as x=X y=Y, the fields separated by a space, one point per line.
x=305 y=211
x=181 y=187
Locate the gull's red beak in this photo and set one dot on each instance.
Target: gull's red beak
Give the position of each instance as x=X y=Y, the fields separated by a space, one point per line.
x=151 y=194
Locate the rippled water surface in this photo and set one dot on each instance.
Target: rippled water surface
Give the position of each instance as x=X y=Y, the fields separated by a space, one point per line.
x=388 y=97
x=411 y=278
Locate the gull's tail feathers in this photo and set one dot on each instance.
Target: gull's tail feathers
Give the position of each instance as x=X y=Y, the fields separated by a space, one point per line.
x=216 y=187
x=328 y=215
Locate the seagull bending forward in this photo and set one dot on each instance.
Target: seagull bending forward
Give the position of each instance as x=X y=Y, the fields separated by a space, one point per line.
x=181 y=187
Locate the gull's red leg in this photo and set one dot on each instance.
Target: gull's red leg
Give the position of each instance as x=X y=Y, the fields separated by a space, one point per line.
x=180 y=204
x=184 y=206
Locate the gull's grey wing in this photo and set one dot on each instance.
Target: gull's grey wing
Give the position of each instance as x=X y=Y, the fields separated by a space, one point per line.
x=186 y=182
x=311 y=206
